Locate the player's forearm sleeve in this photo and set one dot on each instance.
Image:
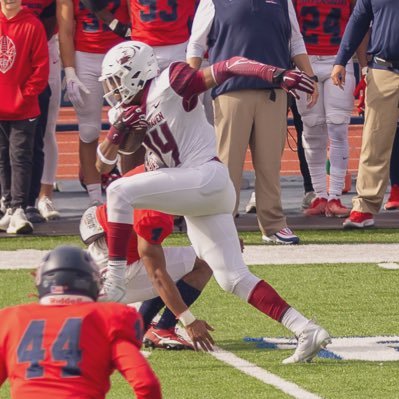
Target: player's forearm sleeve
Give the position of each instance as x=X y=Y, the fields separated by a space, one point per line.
x=356 y=29
x=186 y=81
x=241 y=66
x=134 y=367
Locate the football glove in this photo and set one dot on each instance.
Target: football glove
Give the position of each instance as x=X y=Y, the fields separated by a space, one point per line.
x=360 y=93
x=131 y=120
x=291 y=80
x=73 y=87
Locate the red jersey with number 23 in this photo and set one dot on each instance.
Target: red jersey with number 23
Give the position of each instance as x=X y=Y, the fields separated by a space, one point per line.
x=322 y=24
x=93 y=35
x=70 y=351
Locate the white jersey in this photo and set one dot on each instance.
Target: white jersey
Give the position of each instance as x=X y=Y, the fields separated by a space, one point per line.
x=179 y=132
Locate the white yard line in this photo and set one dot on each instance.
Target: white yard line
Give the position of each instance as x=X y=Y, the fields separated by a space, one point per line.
x=263 y=375
x=259 y=255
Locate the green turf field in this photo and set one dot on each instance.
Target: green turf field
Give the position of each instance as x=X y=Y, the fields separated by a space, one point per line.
x=350 y=300
x=250 y=238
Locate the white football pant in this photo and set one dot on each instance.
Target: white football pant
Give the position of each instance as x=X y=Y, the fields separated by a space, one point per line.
x=205 y=195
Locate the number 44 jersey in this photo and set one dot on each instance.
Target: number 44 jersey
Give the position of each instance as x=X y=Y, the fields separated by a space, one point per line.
x=69 y=351
x=322 y=23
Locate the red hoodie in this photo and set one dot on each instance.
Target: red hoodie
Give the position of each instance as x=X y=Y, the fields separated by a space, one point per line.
x=24 y=65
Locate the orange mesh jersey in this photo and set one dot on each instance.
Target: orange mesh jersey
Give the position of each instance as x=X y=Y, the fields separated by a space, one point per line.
x=69 y=352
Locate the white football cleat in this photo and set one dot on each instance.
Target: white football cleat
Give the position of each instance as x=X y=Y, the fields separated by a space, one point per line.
x=114 y=286
x=310 y=341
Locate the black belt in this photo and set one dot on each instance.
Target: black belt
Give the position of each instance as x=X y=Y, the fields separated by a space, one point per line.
x=389 y=64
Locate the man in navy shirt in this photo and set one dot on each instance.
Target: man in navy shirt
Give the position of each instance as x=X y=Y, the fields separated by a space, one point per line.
x=382 y=100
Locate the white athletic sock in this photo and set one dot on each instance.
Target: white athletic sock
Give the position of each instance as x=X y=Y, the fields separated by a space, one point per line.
x=94 y=191
x=294 y=321
x=339 y=154
x=314 y=141
x=116 y=270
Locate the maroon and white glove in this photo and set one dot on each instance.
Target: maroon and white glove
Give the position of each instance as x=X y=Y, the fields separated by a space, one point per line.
x=287 y=79
x=130 y=120
x=291 y=80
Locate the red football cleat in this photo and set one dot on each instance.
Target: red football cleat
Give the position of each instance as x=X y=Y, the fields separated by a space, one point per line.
x=165 y=339
x=317 y=207
x=393 y=200
x=335 y=208
x=358 y=220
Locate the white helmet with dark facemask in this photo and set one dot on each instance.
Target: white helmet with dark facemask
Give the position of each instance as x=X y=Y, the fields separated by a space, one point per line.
x=125 y=70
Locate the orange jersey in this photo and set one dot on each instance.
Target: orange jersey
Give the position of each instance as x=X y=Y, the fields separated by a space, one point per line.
x=93 y=35
x=162 y=22
x=69 y=352
x=153 y=226
x=322 y=23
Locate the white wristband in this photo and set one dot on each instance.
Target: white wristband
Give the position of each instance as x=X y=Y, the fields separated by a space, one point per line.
x=187 y=318
x=105 y=160
x=364 y=70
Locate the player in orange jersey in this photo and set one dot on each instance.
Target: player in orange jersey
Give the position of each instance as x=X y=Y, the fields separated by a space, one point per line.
x=68 y=345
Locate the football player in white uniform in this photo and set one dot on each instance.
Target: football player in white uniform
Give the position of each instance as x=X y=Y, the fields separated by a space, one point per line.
x=195 y=183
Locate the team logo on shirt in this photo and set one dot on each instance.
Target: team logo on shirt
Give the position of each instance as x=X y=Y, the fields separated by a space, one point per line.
x=7 y=53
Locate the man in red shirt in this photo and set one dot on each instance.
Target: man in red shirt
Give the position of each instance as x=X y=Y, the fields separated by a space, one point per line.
x=67 y=345
x=24 y=71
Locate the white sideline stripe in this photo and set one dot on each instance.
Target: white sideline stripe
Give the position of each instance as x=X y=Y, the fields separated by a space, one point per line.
x=263 y=375
x=388 y=265
x=259 y=255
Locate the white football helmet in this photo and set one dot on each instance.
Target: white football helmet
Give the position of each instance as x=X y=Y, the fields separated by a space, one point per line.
x=125 y=70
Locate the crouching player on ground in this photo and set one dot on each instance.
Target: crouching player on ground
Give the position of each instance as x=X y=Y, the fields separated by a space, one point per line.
x=147 y=263
x=68 y=345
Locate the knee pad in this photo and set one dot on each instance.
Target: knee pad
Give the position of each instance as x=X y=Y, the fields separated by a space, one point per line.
x=313 y=119
x=315 y=138
x=241 y=285
x=88 y=133
x=338 y=118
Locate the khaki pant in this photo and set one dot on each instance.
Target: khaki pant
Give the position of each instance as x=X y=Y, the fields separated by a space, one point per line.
x=251 y=117
x=382 y=113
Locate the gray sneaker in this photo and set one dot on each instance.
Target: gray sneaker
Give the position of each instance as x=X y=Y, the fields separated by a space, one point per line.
x=47 y=209
x=310 y=341
x=251 y=206
x=19 y=224
x=307 y=199
x=5 y=220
